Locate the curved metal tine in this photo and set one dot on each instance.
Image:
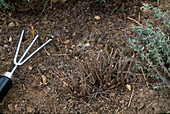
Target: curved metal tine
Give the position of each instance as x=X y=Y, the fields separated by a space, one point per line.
x=34 y=52
x=26 y=51
x=18 y=47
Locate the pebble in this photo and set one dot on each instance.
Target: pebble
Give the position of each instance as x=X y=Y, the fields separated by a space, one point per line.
x=73 y=46
x=10 y=39
x=5 y=45
x=11 y=24
x=141 y=105
x=3 y=57
x=18 y=109
x=70 y=50
x=122 y=102
x=5 y=41
x=66 y=30
x=11 y=107
x=74 y=34
x=152 y=22
x=67 y=41
x=160 y=6
x=128 y=87
x=30 y=110
x=3 y=18
x=30 y=67
x=144 y=10
x=141 y=89
x=152 y=92
x=87 y=44
x=10 y=14
x=44 y=80
x=45 y=22
x=97 y=17
x=17 y=24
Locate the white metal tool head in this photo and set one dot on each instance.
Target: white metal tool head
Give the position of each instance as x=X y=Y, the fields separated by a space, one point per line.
x=5 y=80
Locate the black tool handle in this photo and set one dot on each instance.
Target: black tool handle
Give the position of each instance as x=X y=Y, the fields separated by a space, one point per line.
x=5 y=86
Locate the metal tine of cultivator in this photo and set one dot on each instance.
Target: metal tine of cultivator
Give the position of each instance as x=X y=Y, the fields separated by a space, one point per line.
x=21 y=61
x=6 y=78
x=26 y=51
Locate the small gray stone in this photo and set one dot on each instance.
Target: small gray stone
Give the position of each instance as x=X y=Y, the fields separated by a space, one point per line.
x=5 y=45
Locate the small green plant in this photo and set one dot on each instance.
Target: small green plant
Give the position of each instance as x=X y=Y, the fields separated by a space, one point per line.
x=4 y=4
x=153 y=45
x=11 y=6
x=46 y=2
x=101 y=1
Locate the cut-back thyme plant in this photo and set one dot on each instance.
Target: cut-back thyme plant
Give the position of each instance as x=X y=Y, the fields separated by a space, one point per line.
x=153 y=45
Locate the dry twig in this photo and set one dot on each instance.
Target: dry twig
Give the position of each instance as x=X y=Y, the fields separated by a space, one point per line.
x=131 y=97
x=135 y=21
x=33 y=34
x=150 y=104
x=144 y=76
